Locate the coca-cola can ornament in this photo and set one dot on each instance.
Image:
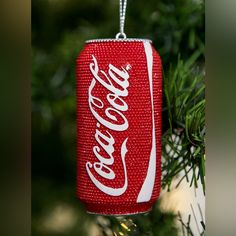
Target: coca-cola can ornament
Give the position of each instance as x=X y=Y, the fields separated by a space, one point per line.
x=119 y=100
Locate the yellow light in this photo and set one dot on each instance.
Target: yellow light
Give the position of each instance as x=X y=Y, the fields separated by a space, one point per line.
x=125 y=226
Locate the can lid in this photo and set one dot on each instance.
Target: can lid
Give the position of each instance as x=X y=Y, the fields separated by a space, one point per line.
x=118 y=40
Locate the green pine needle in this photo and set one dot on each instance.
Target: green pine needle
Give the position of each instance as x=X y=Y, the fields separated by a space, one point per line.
x=184 y=117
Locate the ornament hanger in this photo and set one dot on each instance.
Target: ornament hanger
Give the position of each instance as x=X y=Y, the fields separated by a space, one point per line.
x=121 y=34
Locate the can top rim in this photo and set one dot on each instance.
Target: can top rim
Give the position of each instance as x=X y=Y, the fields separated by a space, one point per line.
x=118 y=40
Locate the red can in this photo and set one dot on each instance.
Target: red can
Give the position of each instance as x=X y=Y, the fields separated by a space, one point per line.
x=119 y=98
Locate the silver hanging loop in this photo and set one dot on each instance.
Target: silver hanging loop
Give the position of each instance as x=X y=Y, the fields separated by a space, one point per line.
x=123 y=5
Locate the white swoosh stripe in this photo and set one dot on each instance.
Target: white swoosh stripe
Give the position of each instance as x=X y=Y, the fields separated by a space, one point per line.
x=145 y=193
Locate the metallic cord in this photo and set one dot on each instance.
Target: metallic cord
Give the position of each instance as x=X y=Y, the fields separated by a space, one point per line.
x=123 y=5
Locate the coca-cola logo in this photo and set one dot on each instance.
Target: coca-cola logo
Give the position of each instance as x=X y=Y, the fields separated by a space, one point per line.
x=116 y=83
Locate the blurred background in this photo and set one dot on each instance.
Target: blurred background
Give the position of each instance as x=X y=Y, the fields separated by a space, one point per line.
x=59 y=30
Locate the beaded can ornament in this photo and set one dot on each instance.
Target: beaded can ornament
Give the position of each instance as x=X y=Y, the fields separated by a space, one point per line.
x=119 y=98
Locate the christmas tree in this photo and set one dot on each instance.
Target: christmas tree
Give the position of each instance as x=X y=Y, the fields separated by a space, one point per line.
x=59 y=30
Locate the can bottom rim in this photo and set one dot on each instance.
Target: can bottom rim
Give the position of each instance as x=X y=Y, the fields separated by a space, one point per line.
x=100 y=209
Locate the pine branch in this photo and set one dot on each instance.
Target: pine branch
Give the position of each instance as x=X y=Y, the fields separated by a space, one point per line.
x=184 y=120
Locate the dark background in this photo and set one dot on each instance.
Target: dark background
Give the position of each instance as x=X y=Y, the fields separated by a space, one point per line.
x=59 y=29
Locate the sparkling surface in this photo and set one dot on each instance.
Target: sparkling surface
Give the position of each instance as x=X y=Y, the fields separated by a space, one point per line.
x=120 y=53
x=118 y=40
